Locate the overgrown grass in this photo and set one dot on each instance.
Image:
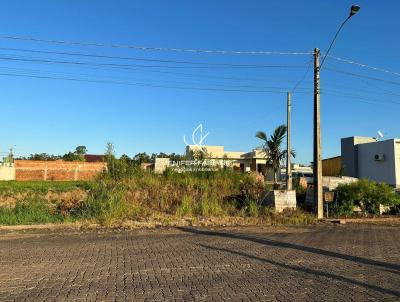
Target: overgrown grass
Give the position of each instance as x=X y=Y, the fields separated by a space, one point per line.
x=131 y=194
x=41 y=186
x=31 y=212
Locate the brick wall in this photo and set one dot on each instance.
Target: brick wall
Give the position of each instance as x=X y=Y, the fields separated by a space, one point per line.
x=56 y=170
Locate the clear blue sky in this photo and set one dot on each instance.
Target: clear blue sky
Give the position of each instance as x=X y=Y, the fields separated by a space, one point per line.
x=54 y=116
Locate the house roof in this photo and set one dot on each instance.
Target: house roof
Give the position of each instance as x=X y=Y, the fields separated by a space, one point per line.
x=94 y=158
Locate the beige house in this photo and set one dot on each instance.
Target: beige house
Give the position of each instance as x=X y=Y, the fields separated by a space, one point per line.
x=243 y=161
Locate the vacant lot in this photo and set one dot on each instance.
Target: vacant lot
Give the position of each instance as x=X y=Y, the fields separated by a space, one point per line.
x=317 y=263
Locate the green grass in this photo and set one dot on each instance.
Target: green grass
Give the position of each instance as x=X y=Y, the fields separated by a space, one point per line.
x=41 y=186
x=32 y=212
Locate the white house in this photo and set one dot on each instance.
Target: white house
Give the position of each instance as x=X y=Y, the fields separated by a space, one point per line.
x=366 y=157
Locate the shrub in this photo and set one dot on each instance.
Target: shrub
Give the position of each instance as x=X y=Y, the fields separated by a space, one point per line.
x=301 y=193
x=368 y=195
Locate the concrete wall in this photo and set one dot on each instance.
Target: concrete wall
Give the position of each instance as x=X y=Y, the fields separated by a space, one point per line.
x=7 y=172
x=281 y=200
x=380 y=171
x=56 y=170
x=329 y=183
x=161 y=164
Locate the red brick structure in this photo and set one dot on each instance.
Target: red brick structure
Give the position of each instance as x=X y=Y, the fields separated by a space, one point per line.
x=94 y=158
x=56 y=170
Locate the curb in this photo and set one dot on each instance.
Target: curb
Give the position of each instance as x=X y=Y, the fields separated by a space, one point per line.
x=395 y=220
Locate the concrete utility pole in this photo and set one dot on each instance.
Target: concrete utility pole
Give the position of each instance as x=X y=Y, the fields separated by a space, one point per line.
x=317 y=163
x=288 y=147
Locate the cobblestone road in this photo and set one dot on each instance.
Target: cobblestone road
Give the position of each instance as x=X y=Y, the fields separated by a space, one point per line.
x=324 y=263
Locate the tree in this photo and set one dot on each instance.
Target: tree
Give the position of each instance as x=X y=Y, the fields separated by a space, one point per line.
x=77 y=155
x=81 y=150
x=125 y=158
x=109 y=153
x=200 y=154
x=43 y=156
x=72 y=156
x=141 y=158
x=272 y=149
x=176 y=157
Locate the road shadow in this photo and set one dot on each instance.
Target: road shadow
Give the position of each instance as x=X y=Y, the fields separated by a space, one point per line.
x=274 y=243
x=306 y=270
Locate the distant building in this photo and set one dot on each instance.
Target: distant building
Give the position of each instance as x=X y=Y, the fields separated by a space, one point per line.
x=94 y=158
x=244 y=161
x=332 y=166
x=365 y=157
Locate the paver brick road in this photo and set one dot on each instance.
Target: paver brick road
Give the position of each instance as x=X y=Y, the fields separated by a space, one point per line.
x=323 y=263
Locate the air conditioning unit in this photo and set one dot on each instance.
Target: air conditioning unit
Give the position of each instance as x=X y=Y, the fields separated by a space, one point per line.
x=379 y=157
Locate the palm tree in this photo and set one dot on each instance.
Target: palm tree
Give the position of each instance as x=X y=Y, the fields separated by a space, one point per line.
x=272 y=149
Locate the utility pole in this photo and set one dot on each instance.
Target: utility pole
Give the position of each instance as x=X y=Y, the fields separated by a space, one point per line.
x=288 y=146
x=317 y=163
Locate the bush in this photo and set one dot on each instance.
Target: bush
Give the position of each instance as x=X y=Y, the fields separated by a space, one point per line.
x=368 y=195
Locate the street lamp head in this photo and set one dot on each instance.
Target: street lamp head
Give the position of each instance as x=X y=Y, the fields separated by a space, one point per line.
x=354 y=10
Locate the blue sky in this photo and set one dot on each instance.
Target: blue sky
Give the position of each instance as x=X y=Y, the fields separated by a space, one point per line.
x=54 y=116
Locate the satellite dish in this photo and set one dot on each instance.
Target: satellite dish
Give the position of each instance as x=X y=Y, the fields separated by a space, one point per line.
x=380 y=135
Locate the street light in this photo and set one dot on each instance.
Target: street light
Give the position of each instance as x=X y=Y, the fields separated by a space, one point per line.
x=353 y=10
x=317 y=160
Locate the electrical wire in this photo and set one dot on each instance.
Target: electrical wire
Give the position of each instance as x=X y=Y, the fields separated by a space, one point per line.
x=149 y=48
x=360 y=98
x=139 y=84
x=125 y=58
x=39 y=60
x=362 y=76
x=52 y=73
x=365 y=65
x=153 y=70
x=303 y=77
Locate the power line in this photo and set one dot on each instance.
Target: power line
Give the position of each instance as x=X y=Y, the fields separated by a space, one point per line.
x=387 y=91
x=39 y=60
x=208 y=76
x=155 y=60
x=346 y=90
x=361 y=76
x=126 y=58
x=149 y=48
x=365 y=65
x=360 y=98
x=139 y=84
x=303 y=77
x=46 y=73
